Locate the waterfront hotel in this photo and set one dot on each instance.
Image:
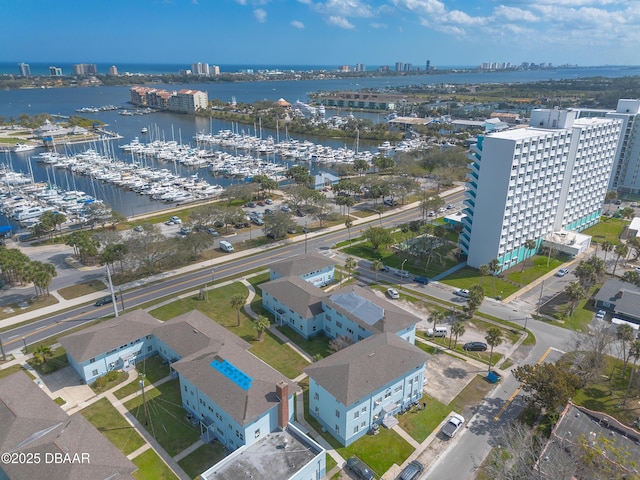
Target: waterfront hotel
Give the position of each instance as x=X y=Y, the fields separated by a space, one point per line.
x=545 y=182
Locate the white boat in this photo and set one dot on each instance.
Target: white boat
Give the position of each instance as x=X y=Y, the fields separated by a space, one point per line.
x=144 y=130
x=23 y=147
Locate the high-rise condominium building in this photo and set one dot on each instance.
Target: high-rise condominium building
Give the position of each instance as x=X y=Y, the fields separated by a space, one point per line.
x=527 y=183
x=55 y=71
x=25 y=70
x=113 y=70
x=626 y=170
x=82 y=69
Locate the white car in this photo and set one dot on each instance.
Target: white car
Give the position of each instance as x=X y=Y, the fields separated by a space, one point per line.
x=175 y=219
x=453 y=425
x=393 y=293
x=461 y=292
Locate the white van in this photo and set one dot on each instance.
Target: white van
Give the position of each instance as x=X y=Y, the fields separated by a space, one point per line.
x=438 y=332
x=226 y=246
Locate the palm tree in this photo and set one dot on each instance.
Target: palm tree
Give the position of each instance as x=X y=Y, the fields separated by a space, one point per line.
x=262 y=323
x=348 y=223
x=493 y=338
x=494 y=268
x=350 y=263
x=606 y=247
x=376 y=266
x=237 y=301
x=41 y=353
x=437 y=316
x=528 y=245
x=457 y=329
x=626 y=334
x=575 y=292
x=484 y=271
x=611 y=195
x=634 y=352
x=621 y=250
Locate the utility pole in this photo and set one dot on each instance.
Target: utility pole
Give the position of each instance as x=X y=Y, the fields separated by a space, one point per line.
x=121 y=299
x=4 y=358
x=144 y=402
x=540 y=298
x=113 y=295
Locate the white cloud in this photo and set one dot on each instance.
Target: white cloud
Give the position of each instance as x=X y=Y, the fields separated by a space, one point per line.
x=340 y=22
x=378 y=25
x=260 y=14
x=345 y=8
x=514 y=13
x=297 y=24
x=421 y=7
x=460 y=18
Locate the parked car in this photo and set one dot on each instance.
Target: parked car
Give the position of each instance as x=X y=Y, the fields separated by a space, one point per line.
x=393 y=293
x=292 y=230
x=461 y=292
x=402 y=273
x=300 y=213
x=390 y=203
x=475 y=347
x=175 y=219
x=451 y=206
x=251 y=205
x=169 y=222
x=268 y=201
x=618 y=202
x=411 y=471
x=637 y=269
x=562 y=272
x=421 y=280
x=600 y=315
x=257 y=220
x=453 y=425
x=360 y=469
x=184 y=231
x=138 y=228
x=284 y=208
x=104 y=300
x=212 y=231
x=261 y=203
x=268 y=211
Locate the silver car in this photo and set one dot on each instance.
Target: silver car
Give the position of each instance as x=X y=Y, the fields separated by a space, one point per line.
x=453 y=425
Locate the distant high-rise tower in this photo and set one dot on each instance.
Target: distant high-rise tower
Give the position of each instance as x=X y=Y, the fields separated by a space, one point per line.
x=113 y=70
x=25 y=71
x=625 y=178
x=215 y=70
x=360 y=67
x=428 y=65
x=82 y=69
x=399 y=66
x=55 y=71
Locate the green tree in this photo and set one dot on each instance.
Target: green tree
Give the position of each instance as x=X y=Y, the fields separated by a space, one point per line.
x=606 y=247
x=277 y=225
x=348 y=223
x=436 y=317
x=475 y=298
x=378 y=237
x=625 y=335
x=549 y=385
x=494 y=268
x=484 y=271
x=634 y=352
x=528 y=246
x=262 y=324
x=299 y=174
x=350 y=264
x=457 y=329
x=237 y=302
x=41 y=353
x=575 y=293
x=621 y=250
x=376 y=266
x=611 y=195
x=493 y=338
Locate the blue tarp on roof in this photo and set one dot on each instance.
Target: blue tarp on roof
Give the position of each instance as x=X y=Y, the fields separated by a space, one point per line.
x=4 y=229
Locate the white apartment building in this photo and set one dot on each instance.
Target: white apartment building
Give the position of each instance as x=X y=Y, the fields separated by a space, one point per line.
x=625 y=177
x=188 y=101
x=527 y=183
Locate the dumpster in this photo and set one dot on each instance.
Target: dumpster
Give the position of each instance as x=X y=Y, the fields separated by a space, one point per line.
x=493 y=377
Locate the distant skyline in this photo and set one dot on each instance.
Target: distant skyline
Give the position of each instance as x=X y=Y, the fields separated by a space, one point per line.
x=330 y=32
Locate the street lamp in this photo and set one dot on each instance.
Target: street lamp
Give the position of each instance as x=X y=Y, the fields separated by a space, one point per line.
x=305 y=238
x=402 y=266
x=144 y=403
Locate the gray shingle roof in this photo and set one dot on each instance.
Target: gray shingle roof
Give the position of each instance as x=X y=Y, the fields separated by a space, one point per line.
x=105 y=336
x=192 y=332
x=244 y=406
x=394 y=320
x=301 y=265
x=625 y=296
x=32 y=422
x=297 y=294
x=359 y=370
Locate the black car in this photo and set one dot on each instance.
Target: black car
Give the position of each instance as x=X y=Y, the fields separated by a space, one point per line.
x=300 y=213
x=104 y=301
x=475 y=347
x=411 y=471
x=421 y=280
x=360 y=469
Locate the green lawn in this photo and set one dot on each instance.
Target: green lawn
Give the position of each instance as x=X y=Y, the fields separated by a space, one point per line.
x=202 y=458
x=33 y=306
x=471 y=395
x=167 y=421
x=420 y=424
x=318 y=345
x=151 y=467
x=281 y=357
x=379 y=451
x=82 y=289
x=535 y=268
x=117 y=377
x=56 y=361
x=153 y=370
x=112 y=425
x=493 y=286
x=608 y=229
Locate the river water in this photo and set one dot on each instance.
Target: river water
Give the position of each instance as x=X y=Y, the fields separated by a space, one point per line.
x=65 y=101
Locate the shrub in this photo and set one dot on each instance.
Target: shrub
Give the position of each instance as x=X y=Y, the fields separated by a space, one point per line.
x=112 y=375
x=101 y=382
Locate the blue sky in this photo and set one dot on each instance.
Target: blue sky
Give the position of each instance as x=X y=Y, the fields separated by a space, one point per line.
x=329 y=32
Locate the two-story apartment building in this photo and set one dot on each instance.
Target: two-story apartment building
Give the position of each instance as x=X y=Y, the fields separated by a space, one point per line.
x=313 y=268
x=114 y=345
x=365 y=384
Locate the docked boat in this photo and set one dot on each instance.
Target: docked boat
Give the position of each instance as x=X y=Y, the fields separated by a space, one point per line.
x=144 y=130
x=23 y=147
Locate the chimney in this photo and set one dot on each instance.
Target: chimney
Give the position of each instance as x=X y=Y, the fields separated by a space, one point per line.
x=282 y=391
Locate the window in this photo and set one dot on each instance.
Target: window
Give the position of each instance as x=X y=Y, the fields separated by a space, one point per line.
x=364 y=409
x=149 y=348
x=397 y=389
x=257 y=433
x=338 y=324
x=338 y=413
x=356 y=414
x=94 y=373
x=185 y=388
x=355 y=429
x=91 y=360
x=316 y=396
x=388 y=394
